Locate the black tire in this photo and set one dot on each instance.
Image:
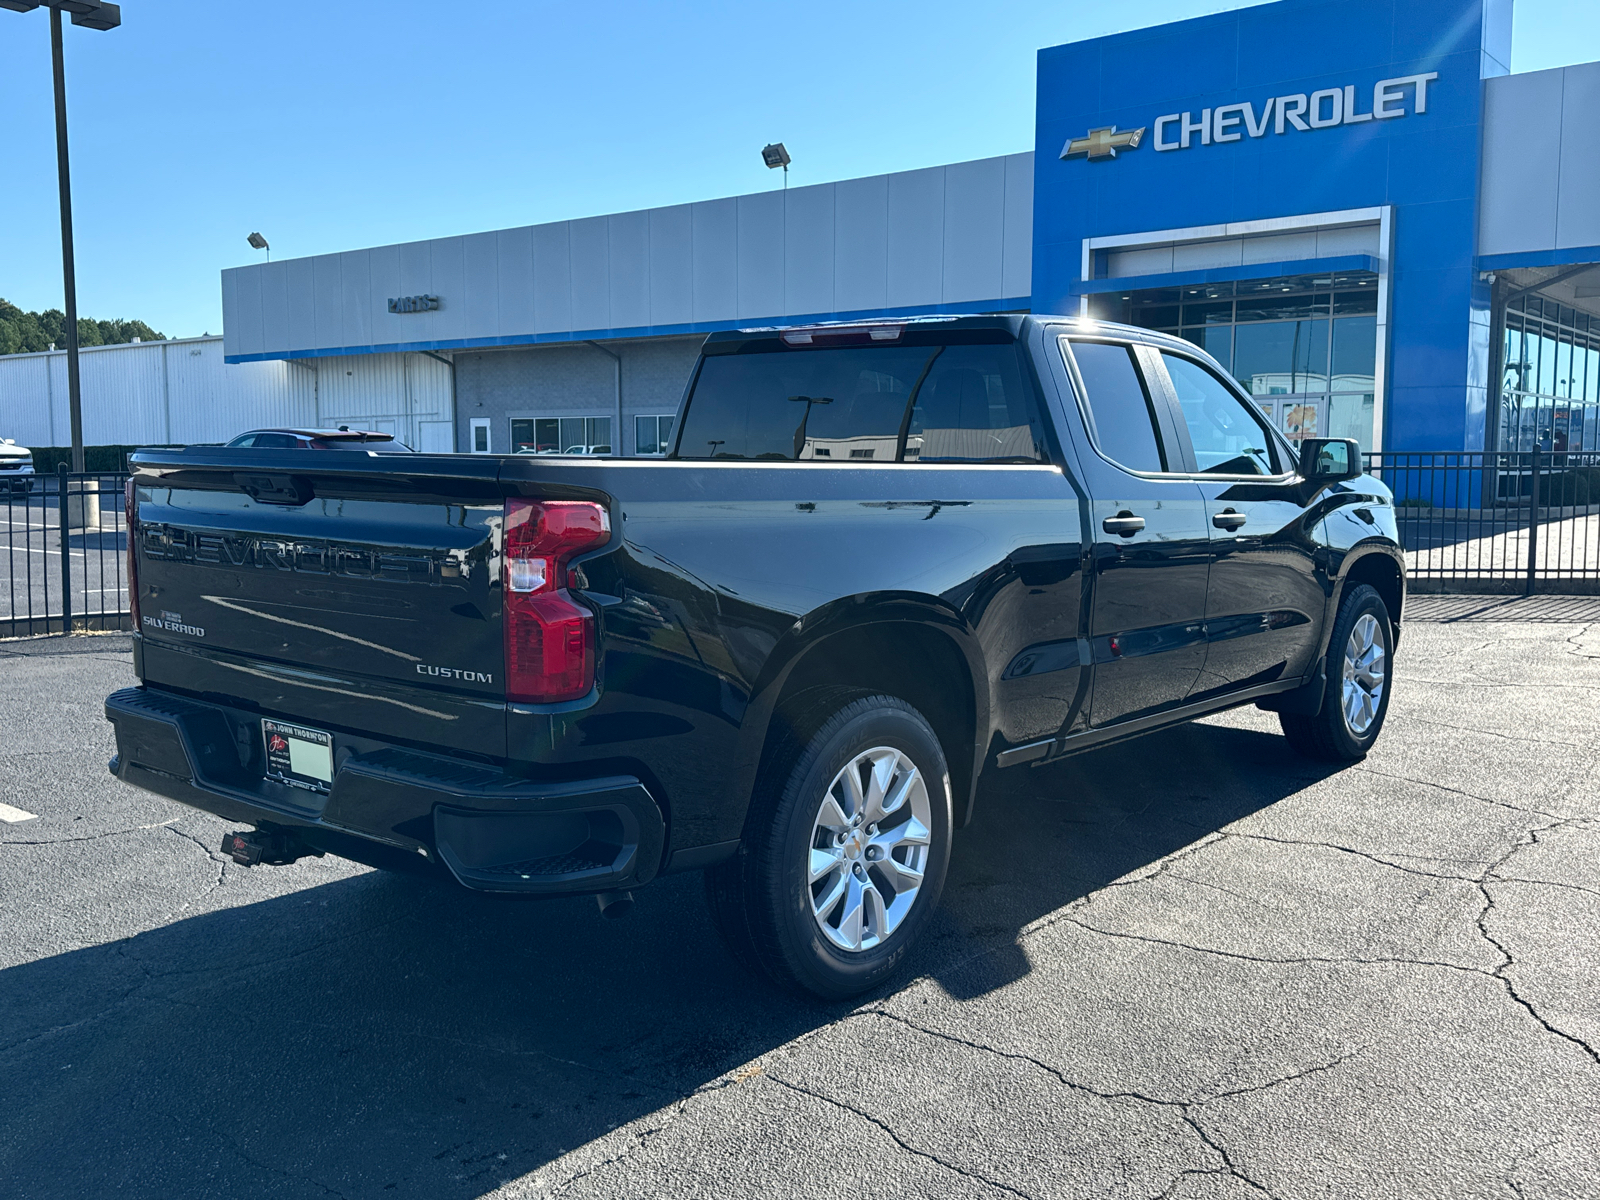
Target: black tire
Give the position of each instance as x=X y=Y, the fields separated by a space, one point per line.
x=762 y=901
x=1329 y=736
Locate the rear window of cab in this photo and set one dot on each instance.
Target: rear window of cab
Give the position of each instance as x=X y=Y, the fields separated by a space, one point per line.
x=891 y=403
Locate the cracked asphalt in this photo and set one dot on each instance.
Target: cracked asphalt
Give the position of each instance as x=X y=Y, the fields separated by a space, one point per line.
x=1193 y=966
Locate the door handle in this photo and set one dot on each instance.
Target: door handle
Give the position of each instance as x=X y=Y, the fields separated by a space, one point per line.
x=1124 y=524
x=1228 y=519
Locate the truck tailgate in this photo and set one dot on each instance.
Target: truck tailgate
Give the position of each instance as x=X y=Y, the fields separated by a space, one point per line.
x=327 y=587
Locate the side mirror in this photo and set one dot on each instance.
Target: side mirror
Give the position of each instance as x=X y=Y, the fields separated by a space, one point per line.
x=1330 y=460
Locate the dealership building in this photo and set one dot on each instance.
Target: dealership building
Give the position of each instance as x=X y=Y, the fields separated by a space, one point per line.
x=1352 y=204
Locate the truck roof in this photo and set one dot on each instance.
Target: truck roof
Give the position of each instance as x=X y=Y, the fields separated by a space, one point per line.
x=873 y=330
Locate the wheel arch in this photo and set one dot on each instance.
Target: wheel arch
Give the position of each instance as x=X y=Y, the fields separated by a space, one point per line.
x=1380 y=566
x=912 y=647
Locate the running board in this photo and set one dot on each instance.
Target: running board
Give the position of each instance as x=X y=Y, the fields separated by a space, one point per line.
x=1056 y=747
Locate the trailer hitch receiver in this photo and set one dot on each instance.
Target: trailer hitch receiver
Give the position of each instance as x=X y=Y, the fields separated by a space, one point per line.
x=266 y=847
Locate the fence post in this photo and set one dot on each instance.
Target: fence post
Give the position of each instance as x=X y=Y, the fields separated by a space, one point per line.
x=66 y=558
x=1533 y=523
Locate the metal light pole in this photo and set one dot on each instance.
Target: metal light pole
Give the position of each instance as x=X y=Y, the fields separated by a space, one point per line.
x=89 y=16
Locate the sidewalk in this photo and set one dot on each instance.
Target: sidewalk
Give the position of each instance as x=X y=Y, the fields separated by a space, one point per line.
x=1572 y=610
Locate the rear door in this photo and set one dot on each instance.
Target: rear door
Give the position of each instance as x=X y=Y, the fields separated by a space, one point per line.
x=1265 y=600
x=1152 y=549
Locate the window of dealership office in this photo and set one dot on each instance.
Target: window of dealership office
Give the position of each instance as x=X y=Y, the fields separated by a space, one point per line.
x=1550 y=397
x=1304 y=346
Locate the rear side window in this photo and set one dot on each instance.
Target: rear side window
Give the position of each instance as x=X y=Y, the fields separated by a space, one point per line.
x=966 y=403
x=973 y=405
x=1228 y=438
x=1121 y=410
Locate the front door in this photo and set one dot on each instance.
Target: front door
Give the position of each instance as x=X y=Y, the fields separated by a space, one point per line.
x=1152 y=548
x=1265 y=599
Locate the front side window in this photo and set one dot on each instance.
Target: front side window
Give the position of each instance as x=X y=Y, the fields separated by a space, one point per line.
x=1123 y=417
x=901 y=403
x=1228 y=438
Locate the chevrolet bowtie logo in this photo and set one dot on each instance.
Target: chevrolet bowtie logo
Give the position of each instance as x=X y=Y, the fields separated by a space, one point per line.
x=1103 y=143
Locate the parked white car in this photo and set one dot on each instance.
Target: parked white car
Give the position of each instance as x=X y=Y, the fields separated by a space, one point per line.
x=16 y=467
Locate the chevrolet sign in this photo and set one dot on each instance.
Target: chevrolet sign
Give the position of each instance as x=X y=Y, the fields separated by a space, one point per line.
x=1284 y=114
x=1103 y=143
x=1279 y=114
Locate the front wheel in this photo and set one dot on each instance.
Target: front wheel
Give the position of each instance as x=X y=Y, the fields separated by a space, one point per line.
x=1360 y=655
x=845 y=852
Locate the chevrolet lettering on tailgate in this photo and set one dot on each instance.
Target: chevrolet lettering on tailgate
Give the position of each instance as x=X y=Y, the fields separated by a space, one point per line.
x=171 y=543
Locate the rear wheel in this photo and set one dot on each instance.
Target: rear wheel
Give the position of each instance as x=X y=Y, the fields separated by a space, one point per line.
x=1357 y=697
x=845 y=853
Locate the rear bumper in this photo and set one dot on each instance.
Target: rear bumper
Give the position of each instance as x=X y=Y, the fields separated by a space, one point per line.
x=395 y=807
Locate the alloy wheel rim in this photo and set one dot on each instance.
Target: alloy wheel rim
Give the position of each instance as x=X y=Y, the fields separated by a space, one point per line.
x=869 y=849
x=1365 y=666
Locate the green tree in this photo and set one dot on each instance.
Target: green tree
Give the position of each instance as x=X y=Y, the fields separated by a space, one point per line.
x=118 y=332
x=30 y=332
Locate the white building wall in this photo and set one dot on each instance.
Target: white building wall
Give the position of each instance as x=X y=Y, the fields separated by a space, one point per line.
x=407 y=395
x=952 y=235
x=182 y=391
x=1540 y=188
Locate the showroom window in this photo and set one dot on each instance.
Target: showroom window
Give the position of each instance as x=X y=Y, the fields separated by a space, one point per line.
x=561 y=435
x=653 y=434
x=1550 y=388
x=1304 y=347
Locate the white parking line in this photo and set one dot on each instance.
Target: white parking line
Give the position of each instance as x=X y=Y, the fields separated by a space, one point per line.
x=14 y=815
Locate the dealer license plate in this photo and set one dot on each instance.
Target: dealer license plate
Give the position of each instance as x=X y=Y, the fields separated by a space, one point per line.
x=298 y=756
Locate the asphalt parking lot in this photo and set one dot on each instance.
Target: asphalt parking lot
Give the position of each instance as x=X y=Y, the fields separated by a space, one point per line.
x=1192 y=967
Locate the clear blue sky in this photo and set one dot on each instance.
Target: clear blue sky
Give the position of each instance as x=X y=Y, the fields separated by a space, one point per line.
x=331 y=125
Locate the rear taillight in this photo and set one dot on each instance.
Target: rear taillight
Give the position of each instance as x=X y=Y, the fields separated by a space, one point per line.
x=549 y=636
x=130 y=509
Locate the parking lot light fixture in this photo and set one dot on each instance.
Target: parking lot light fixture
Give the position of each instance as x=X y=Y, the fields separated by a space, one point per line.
x=260 y=243
x=775 y=155
x=88 y=16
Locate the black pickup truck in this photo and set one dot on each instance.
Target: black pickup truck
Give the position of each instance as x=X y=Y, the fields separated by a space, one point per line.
x=882 y=561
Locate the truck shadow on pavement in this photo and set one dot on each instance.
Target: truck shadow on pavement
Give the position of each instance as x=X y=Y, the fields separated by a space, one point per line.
x=379 y=1035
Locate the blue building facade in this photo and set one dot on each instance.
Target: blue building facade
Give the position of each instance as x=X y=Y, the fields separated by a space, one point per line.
x=1351 y=203
x=1313 y=163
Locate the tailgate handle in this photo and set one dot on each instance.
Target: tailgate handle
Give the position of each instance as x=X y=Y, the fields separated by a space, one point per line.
x=292 y=490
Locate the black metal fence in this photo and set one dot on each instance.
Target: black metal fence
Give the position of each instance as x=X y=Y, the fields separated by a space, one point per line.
x=65 y=551
x=1496 y=521
x=1470 y=521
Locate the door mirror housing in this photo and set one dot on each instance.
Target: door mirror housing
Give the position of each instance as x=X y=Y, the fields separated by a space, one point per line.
x=1330 y=460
